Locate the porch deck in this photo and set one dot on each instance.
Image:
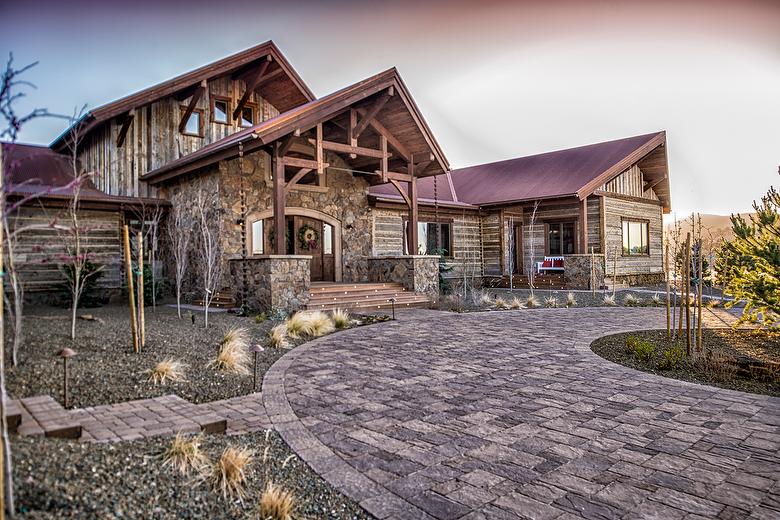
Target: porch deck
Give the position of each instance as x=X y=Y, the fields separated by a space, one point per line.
x=363 y=296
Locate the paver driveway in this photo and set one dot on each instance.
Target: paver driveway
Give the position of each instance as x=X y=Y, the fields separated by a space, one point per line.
x=507 y=414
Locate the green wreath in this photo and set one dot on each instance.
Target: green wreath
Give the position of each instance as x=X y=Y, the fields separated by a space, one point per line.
x=308 y=238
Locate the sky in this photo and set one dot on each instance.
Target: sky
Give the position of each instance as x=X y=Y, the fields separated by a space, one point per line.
x=494 y=79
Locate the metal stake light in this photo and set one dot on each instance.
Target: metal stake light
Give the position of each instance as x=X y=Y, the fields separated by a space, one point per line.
x=65 y=354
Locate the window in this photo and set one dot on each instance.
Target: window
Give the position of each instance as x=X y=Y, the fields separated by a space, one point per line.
x=257 y=237
x=248 y=116
x=635 y=237
x=194 y=126
x=220 y=110
x=561 y=238
x=430 y=235
x=327 y=239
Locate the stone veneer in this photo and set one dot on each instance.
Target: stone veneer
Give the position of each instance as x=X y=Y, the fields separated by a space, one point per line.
x=418 y=273
x=577 y=271
x=272 y=282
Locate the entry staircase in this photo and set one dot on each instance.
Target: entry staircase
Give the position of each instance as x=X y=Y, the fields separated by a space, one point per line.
x=363 y=296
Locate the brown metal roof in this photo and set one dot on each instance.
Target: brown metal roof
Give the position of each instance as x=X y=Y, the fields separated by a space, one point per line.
x=284 y=89
x=406 y=115
x=39 y=172
x=574 y=172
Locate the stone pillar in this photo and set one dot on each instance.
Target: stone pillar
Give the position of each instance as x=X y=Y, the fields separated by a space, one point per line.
x=418 y=273
x=272 y=282
x=576 y=271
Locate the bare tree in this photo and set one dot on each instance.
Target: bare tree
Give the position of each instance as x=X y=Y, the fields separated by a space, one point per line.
x=532 y=247
x=150 y=217
x=179 y=229
x=210 y=259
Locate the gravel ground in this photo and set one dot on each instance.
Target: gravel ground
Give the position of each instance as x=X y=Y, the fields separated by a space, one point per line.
x=67 y=479
x=741 y=346
x=106 y=370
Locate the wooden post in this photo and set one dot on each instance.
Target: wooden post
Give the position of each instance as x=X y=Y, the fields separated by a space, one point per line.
x=280 y=245
x=584 y=226
x=141 y=317
x=668 y=296
x=130 y=288
x=701 y=284
x=688 y=293
x=413 y=217
x=592 y=272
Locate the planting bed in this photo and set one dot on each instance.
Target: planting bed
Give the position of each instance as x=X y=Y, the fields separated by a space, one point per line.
x=582 y=299
x=106 y=370
x=743 y=359
x=66 y=479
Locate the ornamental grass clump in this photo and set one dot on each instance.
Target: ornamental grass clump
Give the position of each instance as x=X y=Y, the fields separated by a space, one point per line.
x=297 y=325
x=277 y=336
x=500 y=303
x=340 y=318
x=630 y=300
x=515 y=303
x=571 y=301
x=233 y=355
x=551 y=301
x=319 y=324
x=227 y=476
x=184 y=454
x=609 y=300
x=481 y=298
x=531 y=301
x=655 y=300
x=167 y=370
x=276 y=503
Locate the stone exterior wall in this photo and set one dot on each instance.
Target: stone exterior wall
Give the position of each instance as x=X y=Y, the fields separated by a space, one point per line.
x=272 y=282
x=577 y=271
x=418 y=273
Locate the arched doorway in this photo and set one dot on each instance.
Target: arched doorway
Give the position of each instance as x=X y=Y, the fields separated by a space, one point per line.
x=309 y=232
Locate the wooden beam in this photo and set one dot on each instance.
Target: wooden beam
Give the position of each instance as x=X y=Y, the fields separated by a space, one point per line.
x=413 y=216
x=352 y=150
x=371 y=113
x=318 y=149
x=383 y=163
x=286 y=144
x=391 y=139
x=251 y=86
x=653 y=184
x=191 y=106
x=120 y=139
x=395 y=176
x=301 y=163
x=351 y=139
x=297 y=177
x=280 y=240
x=402 y=192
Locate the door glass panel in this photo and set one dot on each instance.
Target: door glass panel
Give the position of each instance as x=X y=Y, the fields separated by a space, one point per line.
x=422 y=239
x=257 y=237
x=554 y=239
x=327 y=239
x=568 y=238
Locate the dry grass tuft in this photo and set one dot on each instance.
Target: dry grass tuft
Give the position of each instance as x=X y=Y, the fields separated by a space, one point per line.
x=532 y=301
x=655 y=300
x=630 y=300
x=571 y=301
x=340 y=318
x=276 y=503
x=515 y=303
x=277 y=336
x=319 y=324
x=609 y=300
x=500 y=303
x=551 y=301
x=481 y=298
x=228 y=475
x=233 y=353
x=184 y=454
x=297 y=325
x=167 y=370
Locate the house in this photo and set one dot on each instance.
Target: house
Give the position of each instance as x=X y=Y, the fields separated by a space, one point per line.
x=354 y=181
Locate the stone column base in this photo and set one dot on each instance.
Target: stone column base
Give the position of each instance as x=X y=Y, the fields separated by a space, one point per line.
x=418 y=273
x=271 y=282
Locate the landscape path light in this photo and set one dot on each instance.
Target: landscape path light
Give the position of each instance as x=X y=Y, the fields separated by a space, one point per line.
x=65 y=354
x=392 y=306
x=256 y=349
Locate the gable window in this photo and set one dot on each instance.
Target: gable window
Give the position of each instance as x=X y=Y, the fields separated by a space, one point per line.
x=194 y=126
x=561 y=238
x=636 y=237
x=257 y=237
x=432 y=236
x=220 y=110
x=248 y=116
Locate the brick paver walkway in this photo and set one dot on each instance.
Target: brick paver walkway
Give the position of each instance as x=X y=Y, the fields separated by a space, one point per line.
x=509 y=414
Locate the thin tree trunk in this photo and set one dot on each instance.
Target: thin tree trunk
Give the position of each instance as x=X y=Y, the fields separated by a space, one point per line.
x=701 y=282
x=668 y=309
x=688 y=294
x=130 y=288
x=6 y=475
x=141 y=317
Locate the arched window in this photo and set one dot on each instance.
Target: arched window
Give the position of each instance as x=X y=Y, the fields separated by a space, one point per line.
x=257 y=237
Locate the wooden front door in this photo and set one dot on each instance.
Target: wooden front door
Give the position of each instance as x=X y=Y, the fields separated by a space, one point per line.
x=315 y=238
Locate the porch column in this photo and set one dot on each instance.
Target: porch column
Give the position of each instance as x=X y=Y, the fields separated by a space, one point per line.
x=584 y=226
x=280 y=240
x=412 y=234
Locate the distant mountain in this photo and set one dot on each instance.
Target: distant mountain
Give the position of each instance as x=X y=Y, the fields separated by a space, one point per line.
x=715 y=228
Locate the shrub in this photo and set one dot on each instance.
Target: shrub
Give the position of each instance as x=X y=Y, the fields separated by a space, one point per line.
x=500 y=303
x=718 y=364
x=481 y=298
x=167 y=370
x=184 y=454
x=297 y=325
x=609 y=300
x=260 y=318
x=318 y=324
x=453 y=302
x=531 y=301
x=276 y=503
x=515 y=303
x=228 y=475
x=630 y=300
x=713 y=304
x=673 y=357
x=340 y=318
x=571 y=301
x=277 y=336
x=641 y=349
x=233 y=355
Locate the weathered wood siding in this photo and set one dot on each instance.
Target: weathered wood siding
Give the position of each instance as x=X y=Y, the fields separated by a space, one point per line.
x=491 y=231
x=631 y=182
x=39 y=251
x=638 y=266
x=153 y=138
